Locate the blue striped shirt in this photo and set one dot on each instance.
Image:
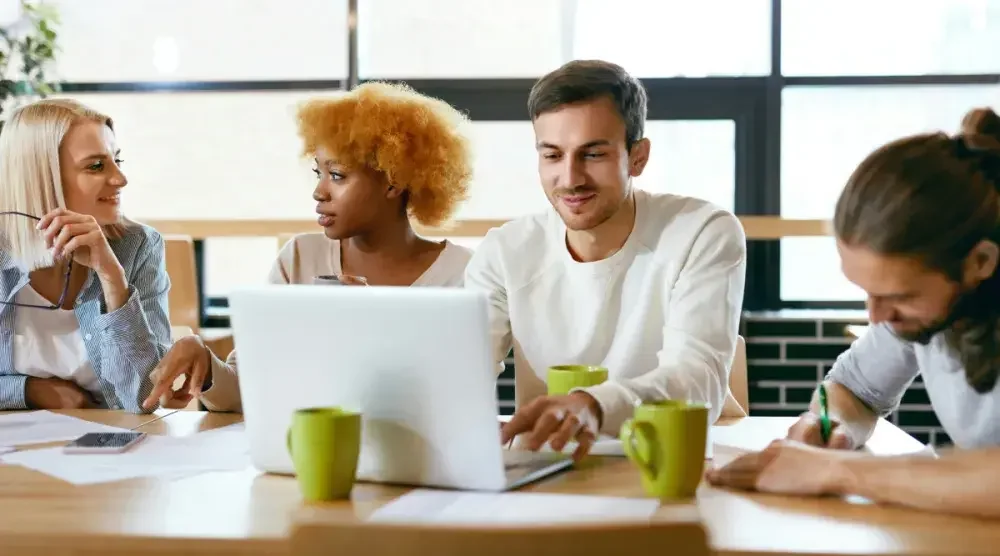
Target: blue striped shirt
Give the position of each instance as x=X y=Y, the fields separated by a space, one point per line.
x=124 y=346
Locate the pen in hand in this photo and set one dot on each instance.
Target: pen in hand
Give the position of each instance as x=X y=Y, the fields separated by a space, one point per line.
x=824 y=415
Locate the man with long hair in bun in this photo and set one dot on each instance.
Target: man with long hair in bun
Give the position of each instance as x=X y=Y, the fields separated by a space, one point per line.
x=918 y=228
x=384 y=155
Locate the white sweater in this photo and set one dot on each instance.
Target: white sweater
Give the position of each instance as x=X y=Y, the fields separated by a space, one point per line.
x=662 y=314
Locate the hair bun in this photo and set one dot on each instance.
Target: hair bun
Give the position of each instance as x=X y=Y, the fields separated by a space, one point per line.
x=981 y=130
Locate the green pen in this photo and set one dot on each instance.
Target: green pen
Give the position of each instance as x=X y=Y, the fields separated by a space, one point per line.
x=824 y=414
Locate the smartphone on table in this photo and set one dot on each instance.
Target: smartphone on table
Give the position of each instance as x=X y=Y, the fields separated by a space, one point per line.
x=104 y=442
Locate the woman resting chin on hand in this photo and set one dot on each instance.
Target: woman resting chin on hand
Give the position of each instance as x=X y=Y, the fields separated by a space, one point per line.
x=83 y=289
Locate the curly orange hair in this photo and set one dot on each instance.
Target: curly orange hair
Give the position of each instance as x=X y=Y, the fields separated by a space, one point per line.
x=417 y=142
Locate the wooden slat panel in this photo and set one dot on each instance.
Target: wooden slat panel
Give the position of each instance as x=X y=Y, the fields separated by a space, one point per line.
x=757 y=227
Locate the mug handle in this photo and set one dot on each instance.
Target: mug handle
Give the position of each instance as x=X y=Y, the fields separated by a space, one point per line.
x=288 y=441
x=643 y=458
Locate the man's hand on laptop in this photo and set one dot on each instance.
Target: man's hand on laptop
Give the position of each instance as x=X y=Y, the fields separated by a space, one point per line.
x=188 y=357
x=556 y=420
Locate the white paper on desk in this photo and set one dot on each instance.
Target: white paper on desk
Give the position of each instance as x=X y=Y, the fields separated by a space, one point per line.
x=746 y=434
x=155 y=456
x=37 y=427
x=235 y=427
x=444 y=506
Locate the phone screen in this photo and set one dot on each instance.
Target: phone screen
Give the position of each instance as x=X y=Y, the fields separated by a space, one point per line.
x=110 y=441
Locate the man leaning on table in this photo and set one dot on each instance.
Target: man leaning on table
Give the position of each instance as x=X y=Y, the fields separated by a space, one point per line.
x=648 y=285
x=918 y=228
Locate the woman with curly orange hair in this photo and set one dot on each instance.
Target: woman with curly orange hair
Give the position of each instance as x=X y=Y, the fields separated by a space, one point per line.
x=385 y=155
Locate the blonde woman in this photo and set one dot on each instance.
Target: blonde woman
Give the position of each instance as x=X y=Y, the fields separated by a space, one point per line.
x=83 y=292
x=384 y=155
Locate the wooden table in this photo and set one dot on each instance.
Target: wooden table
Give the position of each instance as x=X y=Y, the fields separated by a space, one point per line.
x=247 y=512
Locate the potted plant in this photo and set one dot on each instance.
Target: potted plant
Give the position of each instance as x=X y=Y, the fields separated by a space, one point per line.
x=27 y=47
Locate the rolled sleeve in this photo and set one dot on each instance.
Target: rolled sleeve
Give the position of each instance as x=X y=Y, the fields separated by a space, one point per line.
x=135 y=336
x=127 y=323
x=617 y=403
x=12 y=394
x=877 y=369
x=224 y=394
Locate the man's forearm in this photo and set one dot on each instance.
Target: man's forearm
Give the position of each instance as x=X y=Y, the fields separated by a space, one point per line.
x=961 y=482
x=845 y=408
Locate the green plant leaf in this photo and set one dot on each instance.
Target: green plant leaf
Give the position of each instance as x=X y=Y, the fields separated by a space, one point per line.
x=36 y=48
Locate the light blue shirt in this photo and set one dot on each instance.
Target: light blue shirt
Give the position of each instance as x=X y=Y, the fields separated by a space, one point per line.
x=124 y=346
x=879 y=367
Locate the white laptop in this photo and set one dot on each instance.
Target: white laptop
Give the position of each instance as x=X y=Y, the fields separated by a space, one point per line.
x=416 y=362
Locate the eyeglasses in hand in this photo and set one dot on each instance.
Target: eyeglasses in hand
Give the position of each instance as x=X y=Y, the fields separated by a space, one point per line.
x=69 y=269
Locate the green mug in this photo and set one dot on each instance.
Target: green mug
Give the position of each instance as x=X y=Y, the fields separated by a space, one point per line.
x=563 y=378
x=324 y=443
x=666 y=440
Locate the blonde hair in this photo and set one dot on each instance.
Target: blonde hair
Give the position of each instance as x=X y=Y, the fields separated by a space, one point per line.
x=30 y=178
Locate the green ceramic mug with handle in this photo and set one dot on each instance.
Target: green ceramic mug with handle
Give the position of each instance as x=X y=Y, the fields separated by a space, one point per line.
x=564 y=378
x=324 y=444
x=666 y=441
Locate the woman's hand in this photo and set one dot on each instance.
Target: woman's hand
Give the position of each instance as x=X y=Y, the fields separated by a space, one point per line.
x=351 y=280
x=70 y=234
x=188 y=357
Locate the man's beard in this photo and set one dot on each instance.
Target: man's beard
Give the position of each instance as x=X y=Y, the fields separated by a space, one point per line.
x=975 y=303
x=971 y=331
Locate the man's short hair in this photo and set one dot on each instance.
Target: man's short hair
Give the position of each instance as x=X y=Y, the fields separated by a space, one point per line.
x=585 y=80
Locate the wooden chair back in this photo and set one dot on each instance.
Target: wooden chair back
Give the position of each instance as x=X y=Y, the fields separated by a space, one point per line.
x=183 y=296
x=738 y=376
x=737 y=403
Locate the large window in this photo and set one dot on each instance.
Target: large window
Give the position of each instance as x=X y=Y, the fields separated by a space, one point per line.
x=889 y=37
x=760 y=114
x=210 y=155
x=826 y=132
x=857 y=74
x=203 y=94
x=527 y=38
x=199 y=40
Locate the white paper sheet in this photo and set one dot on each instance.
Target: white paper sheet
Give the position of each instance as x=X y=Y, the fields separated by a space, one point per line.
x=36 y=427
x=443 y=506
x=746 y=434
x=155 y=456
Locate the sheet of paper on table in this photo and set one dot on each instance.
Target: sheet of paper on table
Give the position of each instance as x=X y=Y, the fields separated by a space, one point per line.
x=37 y=427
x=746 y=434
x=156 y=456
x=443 y=506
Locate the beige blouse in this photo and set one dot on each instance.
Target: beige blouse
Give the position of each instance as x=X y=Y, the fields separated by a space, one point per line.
x=302 y=259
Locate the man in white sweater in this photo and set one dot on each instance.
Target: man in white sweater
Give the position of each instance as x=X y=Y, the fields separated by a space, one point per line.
x=648 y=285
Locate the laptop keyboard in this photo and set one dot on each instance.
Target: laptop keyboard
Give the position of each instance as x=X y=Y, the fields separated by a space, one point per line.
x=525 y=458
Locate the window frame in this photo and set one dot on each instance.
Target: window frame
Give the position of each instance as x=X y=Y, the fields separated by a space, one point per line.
x=779 y=83
x=752 y=102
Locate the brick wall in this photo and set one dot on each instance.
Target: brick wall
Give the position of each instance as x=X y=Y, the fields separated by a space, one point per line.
x=505 y=386
x=788 y=353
